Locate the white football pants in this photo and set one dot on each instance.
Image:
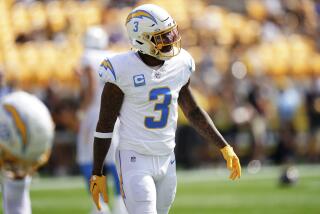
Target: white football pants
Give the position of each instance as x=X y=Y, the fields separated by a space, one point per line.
x=148 y=182
x=16 y=195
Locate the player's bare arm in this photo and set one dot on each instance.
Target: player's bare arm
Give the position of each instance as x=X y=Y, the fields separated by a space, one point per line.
x=111 y=101
x=199 y=118
x=205 y=127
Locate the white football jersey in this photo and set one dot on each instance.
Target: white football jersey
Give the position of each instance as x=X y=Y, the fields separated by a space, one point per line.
x=149 y=113
x=92 y=58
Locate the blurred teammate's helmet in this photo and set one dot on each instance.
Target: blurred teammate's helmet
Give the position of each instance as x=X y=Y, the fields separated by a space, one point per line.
x=26 y=133
x=96 y=38
x=153 y=31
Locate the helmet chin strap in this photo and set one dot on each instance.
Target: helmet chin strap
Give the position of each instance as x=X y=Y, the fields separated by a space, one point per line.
x=164 y=56
x=157 y=53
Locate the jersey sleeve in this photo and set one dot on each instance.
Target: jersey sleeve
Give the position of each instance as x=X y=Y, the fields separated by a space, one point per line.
x=85 y=61
x=107 y=72
x=189 y=66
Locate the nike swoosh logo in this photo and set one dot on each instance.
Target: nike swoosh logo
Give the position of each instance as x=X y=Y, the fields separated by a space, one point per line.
x=172 y=162
x=93 y=187
x=165 y=19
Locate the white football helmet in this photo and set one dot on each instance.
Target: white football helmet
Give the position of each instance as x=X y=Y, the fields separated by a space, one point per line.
x=96 y=38
x=153 y=31
x=26 y=133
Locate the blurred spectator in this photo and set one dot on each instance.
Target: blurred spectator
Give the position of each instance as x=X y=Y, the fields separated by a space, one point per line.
x=313 y=109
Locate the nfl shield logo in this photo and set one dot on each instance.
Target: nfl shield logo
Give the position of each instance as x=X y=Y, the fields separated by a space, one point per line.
x=133 y=159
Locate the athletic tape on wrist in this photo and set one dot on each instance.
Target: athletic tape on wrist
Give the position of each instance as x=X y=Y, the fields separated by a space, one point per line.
x=103 y=135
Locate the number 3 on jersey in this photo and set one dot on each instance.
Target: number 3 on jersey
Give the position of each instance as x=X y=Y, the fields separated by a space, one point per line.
x=155 y=94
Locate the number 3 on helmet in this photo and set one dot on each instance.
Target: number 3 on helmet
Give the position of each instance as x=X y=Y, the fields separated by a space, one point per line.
x=153 y=31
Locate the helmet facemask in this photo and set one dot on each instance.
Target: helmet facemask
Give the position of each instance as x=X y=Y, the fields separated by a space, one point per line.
x=13 y=166
x=164 y=44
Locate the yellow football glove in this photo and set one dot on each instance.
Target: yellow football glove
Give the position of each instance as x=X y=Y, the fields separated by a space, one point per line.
x=233 y=162
x=98 y=185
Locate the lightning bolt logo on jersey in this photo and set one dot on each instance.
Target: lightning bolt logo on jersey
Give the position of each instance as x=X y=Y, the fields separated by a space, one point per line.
x=149 y=113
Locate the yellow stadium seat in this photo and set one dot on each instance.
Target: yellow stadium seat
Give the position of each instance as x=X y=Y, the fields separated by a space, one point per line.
x=236 y=22
x=12 y=63
x=48 y=59
x=1 y=59
x=280 y=57
x=73 y=12
x=38 y=16
x=29 y=59
x=265 y=53
x=301 y=51
x=56 y=16
x=91 y=13
x=20 y=19
x=221 y=58
x=249 y=32
x=256 y=9
x=315 y=63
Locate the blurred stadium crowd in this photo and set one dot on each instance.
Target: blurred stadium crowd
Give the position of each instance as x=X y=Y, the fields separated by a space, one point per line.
x=257 y=70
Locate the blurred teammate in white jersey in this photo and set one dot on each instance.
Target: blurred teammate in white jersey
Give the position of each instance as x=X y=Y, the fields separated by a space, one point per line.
x=144 y=88
x=26 y=134
x=95 y=42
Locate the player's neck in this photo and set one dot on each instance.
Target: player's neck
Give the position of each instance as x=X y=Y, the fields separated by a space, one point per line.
x=150 y=60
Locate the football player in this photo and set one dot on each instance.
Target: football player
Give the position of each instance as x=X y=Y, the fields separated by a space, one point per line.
x=144 y=88
x=95 y=42
x=26 y=134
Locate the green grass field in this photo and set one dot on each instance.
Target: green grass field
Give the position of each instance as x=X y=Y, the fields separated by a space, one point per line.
x=200 y=192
